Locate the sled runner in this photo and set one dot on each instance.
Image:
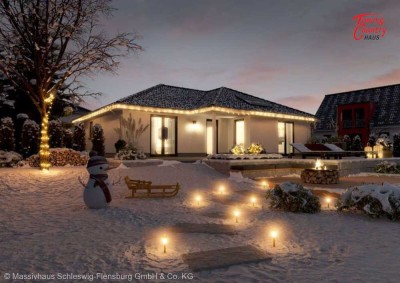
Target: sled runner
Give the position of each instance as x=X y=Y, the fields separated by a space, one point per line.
x=144 y=189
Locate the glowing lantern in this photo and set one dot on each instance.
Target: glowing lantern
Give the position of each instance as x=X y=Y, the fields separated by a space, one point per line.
x=274 y=234
x=164 y=241
x=253 y=200
x=328 y=201
x=198 y=199
x=264 y=184
x=221 y=190
x=236 y=213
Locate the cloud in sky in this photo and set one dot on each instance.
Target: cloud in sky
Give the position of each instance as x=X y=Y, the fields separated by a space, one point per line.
x=292 y=52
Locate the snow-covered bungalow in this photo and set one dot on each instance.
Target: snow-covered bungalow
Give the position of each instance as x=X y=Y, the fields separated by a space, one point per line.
x=189 y=122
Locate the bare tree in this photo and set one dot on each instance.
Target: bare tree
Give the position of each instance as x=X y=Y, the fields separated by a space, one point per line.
x=56 y=41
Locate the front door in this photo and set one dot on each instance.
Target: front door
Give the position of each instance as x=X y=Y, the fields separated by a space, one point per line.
x=163 y=135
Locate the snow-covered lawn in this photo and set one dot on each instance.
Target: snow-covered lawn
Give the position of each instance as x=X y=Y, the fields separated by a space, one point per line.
x=45 y=228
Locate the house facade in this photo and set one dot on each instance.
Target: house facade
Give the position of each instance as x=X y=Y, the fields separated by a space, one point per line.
x=187 y=122
x=373 y=111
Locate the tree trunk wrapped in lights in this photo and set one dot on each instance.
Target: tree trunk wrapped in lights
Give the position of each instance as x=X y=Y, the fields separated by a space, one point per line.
x=46 y=45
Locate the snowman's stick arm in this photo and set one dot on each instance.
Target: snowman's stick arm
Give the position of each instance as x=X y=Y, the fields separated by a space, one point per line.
x=80 y=181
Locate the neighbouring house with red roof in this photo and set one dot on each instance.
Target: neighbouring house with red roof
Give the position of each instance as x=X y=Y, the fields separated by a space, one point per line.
x=188 y=122
x=365 y=112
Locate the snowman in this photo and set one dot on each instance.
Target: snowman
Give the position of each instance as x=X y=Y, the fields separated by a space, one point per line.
x=97 y=191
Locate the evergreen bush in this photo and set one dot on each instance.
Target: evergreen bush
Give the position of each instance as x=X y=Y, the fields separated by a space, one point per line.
x=98 y=140
x=56 y=134
x=30 y=137
x=294 y=198
x=7 y=134
x=79 y=141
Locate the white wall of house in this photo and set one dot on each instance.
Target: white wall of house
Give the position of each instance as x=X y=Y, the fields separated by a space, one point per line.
x=192 y=137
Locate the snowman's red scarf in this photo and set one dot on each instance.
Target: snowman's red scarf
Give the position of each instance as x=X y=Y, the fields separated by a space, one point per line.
x=99 y=180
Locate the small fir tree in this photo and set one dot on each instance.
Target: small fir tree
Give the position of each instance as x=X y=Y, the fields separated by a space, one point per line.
x=79 y=141
x=7 y=134
x=98 y=140
x=30 y=138
x=68 y=138
x=357 y=144
x=56 y=134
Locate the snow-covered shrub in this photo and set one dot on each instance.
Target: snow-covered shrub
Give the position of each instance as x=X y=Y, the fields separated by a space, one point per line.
x=238 y=149
x=387 y=167
x=98 y=140
x=357 y=144
x=293 y=197
x=7 y=134
x=384 y=141
x=127 y=153
x=9 y=158
x=374 y=199
x=68 y=138
x=56 y=134
x=79 y=139
x=30 y=136
x=61 y=157
x=396 y=145
x=255 y=148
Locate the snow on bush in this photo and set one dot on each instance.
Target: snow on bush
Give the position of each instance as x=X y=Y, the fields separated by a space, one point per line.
x=375 y=200
x=56 y=133
x=79 y=140
x=387 y=167
x=129 y=154
x=30 y=138
x=61 y=157
x=9 y=158
x=7 y=139
x=98 y=140
x=293 y=197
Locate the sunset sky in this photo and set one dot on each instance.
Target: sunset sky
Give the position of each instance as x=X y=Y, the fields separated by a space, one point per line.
x=290 y=52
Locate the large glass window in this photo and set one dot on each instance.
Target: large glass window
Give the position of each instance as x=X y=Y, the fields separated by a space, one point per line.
x=163 y=135
x=239 y=131
x=285 y=137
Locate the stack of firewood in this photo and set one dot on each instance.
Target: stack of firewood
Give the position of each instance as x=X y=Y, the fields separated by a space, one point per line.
x=312 y=176
x=61 y=157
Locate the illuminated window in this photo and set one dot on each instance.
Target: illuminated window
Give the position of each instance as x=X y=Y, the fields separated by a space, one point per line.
x=239 y=131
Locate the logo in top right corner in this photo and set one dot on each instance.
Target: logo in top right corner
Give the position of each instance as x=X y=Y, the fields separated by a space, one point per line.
x=369 y=26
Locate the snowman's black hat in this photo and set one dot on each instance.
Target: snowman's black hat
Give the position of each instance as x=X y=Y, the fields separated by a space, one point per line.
x=96 y=160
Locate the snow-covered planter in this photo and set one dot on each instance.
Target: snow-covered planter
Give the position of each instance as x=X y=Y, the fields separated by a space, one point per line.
x=293 y=197
x=244 y=156
x=387 y=167
x=375 y=200
x=9 y=158
x=61 y=157
x=129 y=154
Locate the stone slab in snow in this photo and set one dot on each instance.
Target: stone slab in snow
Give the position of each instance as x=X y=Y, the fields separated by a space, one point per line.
x=206 y=260
x=209 y=228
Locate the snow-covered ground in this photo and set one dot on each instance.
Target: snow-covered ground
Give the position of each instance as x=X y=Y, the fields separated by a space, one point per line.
x=45 y=228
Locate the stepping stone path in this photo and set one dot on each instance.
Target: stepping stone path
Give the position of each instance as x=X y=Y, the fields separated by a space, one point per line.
x=208 y=228
x=207 y=260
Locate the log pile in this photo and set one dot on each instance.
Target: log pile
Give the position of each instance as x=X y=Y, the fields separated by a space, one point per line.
x=313 y=176
x=61 y=157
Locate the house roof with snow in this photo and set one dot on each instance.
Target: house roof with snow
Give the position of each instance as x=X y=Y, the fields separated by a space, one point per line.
x=386 y=99
x=186 y=100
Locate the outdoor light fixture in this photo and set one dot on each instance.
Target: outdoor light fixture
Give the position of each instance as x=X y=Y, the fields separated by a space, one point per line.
x=328 y=201
x=221 y=190
x=264 y=184
x=164 y=241
x=253 y=199
x=274 y=234
x=197 y=199
x=236 y=213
